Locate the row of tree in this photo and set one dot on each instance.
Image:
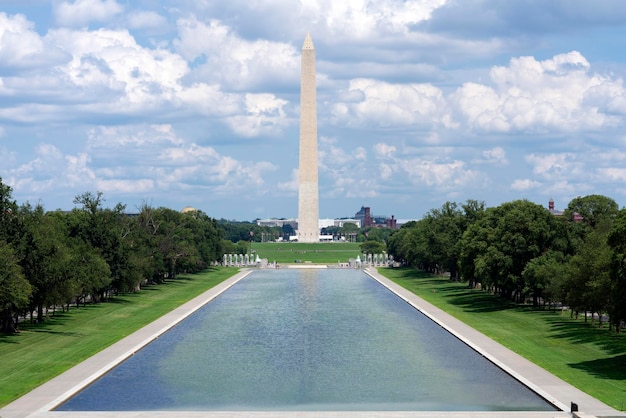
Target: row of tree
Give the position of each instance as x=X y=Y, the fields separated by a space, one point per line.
x=523 y=252
x=52 y=259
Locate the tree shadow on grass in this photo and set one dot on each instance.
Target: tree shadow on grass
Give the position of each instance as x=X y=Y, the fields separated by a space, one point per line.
x=613 y=368
x=468 y=299
x=579 y=332
x=480 y=302
x=10 y=338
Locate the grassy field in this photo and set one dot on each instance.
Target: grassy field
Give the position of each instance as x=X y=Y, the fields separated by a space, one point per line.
x=592 y=359
x=318 y=253
x=41 y=352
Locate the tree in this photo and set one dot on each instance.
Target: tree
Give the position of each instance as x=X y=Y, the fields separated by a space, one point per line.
x=15 y=290
x=544 y=276
x=498 y=246
x=617 y=242
x=372 y=247
x=373 y=233
x=445 y=229
x=593 y=209
x=8 y=210
x=588 y=284
x=351 y=232
x=44 y=257
x=107 y=231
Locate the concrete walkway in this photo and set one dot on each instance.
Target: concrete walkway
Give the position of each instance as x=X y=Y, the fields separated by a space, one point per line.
x=40 y=401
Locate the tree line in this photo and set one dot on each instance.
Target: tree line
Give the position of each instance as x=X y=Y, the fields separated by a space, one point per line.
x=523 y=252
x=53 y=259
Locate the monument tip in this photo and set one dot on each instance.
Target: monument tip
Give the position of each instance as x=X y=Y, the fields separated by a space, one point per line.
x=308 y=42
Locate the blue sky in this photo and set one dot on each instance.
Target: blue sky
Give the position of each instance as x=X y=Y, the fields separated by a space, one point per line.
x=195 y=103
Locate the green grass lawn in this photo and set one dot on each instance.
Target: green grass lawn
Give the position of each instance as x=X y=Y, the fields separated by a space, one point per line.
x=40 y=352
x=318 y=253
x=590 y=358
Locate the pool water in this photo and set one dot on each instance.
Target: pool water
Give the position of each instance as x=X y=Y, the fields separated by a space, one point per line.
x=307 y=340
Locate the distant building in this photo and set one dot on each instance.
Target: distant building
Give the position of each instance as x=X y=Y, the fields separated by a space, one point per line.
x=341 y=222
x=577 y=217
x=272 y=222
x=364 y=216
x=369 y=220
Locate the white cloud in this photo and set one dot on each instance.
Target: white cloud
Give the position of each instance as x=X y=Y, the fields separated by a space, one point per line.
x=566 y=189
x=292 y=185
x=555 y=166
x=131 y=187
x=23 y=48
x=164 y=161
x=496 y=155
x=145 y=20
x=143 y=137
x=362 y=19
x=389 y=105
x=264 y=115
x=524 y=185
x=232 y=61
x=531 y=95
x=613 y=174
x=440 y=174
x=113 y=60
x=382 y=150
x=52 y=170
x=82 y=12
x=222 y=173
x=609 y=155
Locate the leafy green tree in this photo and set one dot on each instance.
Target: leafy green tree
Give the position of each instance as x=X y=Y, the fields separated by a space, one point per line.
x=372 y=247
x=351 y=232
x=498 y=246
x=409 y=245
x=445 y=229
x=15 y=290
x=617 y=242
x=107 y=231
x=8 y=210
x=395 y=241
x=544 y=277
x=236 y=231
x=593 y=209
x=44 y=258
x=228 y=247
x=206 y=238
x=90 y=273
x=373 y=233
x=242 y=247
x=473 y=243
x=588 y=285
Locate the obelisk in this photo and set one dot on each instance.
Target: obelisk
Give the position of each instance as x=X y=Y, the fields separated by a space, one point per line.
x=308 y=204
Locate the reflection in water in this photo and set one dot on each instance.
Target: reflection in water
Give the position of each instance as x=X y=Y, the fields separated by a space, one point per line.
x=307 y=340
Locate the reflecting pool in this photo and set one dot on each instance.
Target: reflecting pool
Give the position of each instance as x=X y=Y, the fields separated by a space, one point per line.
x=307 y=339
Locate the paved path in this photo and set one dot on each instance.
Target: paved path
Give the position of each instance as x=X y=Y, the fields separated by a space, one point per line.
x=39 y=402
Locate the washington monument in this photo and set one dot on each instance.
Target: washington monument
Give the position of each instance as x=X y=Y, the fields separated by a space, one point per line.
x=308 y=199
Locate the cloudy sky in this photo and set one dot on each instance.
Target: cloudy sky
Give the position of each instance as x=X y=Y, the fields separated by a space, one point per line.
x=196 y=102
